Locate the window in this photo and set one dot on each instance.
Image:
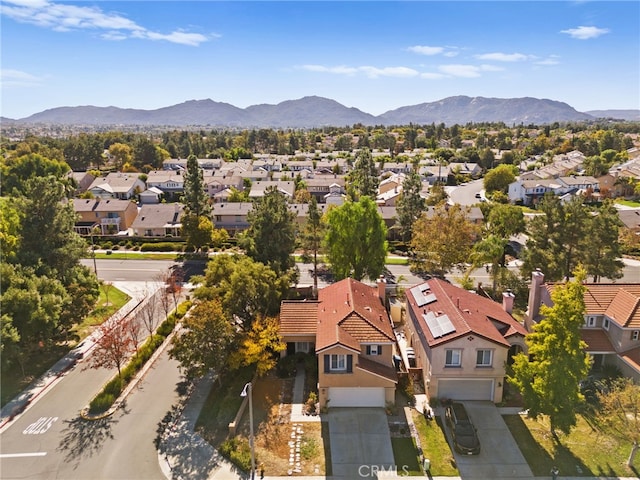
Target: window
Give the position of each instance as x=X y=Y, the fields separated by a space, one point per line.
x=591 y=321
x=635 y=335
x=374 y=350
x=338 y=362
x=453 y=358
x=303 y=347
x=605 y=323
x=484 y=358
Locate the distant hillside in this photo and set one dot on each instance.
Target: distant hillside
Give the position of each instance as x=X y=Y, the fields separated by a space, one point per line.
x=463 y=109
x=316 y=111
x=307 y=112
x=629 y=115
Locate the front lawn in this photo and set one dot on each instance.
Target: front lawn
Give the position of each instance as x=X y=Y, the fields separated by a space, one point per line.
x=584 y=452
x=110 y=301
x=435 y=446
x=272 y=398
x=405 y=456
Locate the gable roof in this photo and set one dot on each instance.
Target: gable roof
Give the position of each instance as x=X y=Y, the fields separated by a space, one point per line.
x=101 y=205
x=349 y=313
x=606 y=299
x=161 y=215
x=468 y=313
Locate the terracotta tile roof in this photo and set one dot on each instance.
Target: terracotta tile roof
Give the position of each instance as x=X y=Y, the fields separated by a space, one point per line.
x=624 y=309
x=599 y=296
x=350 y=312
x=298 y=318
x=632 y=357
x=469 y=313
x=386 y=371
x=597 y=341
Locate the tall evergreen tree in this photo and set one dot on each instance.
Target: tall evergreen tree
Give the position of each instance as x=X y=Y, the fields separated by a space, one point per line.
x=549 y=375
x=411 y=205
x=271 y=236
x=603 y=251
x=311 y=237
x=196 y=201
x=363 y=179
x=556 y=238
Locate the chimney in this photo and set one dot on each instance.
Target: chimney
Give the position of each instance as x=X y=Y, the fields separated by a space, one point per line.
x=382 y=289
x=507 y=301
x=533 y=304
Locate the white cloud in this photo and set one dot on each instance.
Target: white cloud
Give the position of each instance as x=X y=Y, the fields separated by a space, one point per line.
x=62 y=18
x=426 y=50
x=374 y=72
x=503 y=57
x=340 y=70
x=371 y=72
x=585 y=33
x=432 y=76
x=17 y=78
x=459 y=70
x=491 y=68
x=551 y=60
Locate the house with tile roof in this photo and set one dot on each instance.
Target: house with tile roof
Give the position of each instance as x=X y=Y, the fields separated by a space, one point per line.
x=459 y=342
x=159 y=220
x=611 y=326
x=110 y=216
x=351 y=334
x=117 y=185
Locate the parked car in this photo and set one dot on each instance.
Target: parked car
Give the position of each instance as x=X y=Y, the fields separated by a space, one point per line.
x=465 y=437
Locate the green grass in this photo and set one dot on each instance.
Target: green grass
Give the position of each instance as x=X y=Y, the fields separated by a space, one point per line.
x=117 y=299
x=435 y=446
x=584 y=452
x=396 y=261
x=627 y=203
x=12 y=381
x=136 y=255
x=405 y=455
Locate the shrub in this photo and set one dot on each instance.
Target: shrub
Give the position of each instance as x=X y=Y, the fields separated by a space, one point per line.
x=238 y=451
x=160 y=247
x=286 y=366
x=308 y=448
x=101 y=403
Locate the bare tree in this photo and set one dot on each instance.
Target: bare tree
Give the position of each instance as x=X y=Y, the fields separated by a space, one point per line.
x=149 y=312
x=106 y=288
x=135 y=332
x=163 y=295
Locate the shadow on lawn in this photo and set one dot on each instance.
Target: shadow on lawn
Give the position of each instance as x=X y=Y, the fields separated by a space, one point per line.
x=327 y=448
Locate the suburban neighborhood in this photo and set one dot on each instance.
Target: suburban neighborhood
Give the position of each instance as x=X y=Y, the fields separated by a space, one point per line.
x=367 y=373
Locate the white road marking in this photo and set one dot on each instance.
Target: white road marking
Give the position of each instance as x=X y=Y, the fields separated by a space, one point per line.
x=18 y=455
x=40 y=426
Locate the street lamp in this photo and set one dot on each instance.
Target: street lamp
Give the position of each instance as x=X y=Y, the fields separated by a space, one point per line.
x=247 y=391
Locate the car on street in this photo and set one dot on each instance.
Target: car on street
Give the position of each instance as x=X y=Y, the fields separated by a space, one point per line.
x=463 y=433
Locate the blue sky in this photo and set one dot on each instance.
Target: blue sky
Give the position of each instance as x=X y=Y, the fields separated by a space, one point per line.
x=375 y=56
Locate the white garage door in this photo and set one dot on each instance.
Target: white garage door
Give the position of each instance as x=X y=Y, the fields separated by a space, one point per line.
x=356 y=397
x=466 y=389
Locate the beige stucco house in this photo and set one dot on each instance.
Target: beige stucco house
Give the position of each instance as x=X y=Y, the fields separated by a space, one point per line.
x=103 y=216
x=352 y=336
x=459 y=342
x=611 y=326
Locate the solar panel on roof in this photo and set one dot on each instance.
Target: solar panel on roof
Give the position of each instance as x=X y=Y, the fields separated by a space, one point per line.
x=419 y=294
x=438 y=326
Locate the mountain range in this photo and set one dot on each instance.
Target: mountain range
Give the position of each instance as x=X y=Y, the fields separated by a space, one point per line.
x=314 y=111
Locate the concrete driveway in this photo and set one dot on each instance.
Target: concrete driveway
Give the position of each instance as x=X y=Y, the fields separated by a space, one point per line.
x=360 y=442
x=499 y=456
